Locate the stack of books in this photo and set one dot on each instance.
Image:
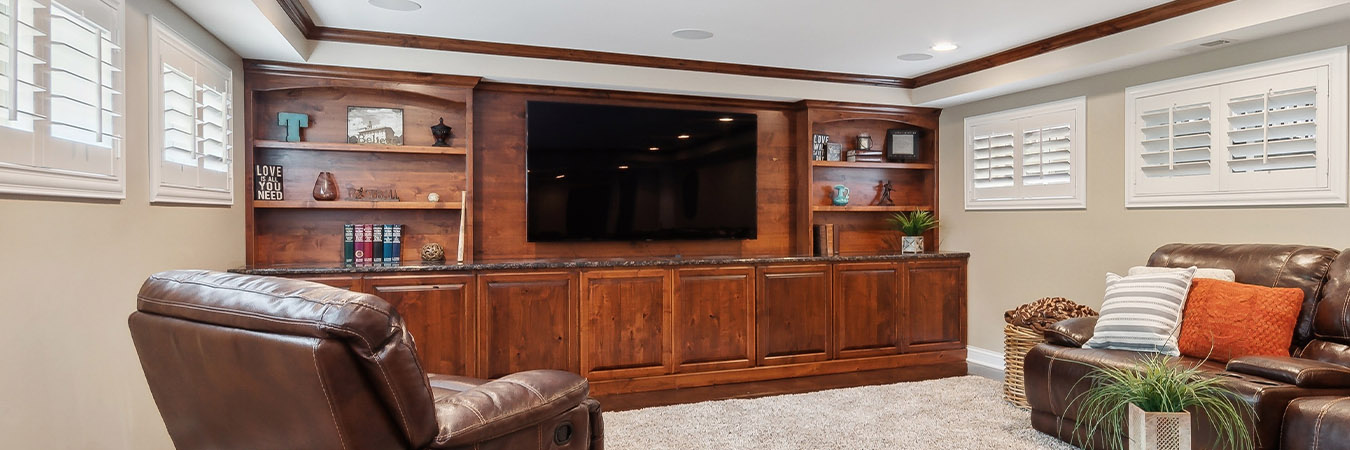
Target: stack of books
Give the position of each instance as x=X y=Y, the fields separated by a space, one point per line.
x=366 y=244
x=869 y=155
x=826 y=239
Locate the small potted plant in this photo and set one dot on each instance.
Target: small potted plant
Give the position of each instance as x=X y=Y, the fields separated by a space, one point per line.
x=1156 y=396
x=912 y=225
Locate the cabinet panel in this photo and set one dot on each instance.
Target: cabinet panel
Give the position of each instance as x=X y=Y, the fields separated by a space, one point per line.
x=526 y=321
x=867 y=305
x=792 y=314
x=438 y=312
x=338 y=281
x=713 y=325
x=624 y=328
x=936 y=307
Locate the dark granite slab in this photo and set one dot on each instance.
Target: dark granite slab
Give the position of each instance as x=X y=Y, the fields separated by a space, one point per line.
x=283 y=270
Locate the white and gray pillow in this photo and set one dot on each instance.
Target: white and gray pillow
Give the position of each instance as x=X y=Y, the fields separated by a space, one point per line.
x=1202 y=272
x=1142 y=312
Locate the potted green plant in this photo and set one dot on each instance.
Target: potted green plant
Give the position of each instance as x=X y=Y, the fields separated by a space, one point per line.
x=912 y=225
x=1156 y=396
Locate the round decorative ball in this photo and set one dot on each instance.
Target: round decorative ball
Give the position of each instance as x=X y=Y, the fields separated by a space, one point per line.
x=433 y=197
x=433 y=252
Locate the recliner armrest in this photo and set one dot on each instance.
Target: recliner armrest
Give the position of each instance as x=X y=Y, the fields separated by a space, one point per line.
x=1304 y=373
x=507 y=404
x=1071 y=332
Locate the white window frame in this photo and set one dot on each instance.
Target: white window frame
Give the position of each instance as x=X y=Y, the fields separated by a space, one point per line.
x=61 y=167
x=1220 y=187
x=161 y=189
x=1020 y=196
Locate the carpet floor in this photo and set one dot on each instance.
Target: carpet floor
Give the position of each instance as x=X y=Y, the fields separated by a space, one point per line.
x=951 y=413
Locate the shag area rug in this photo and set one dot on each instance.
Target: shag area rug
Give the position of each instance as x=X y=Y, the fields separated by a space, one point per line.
x=952 y=413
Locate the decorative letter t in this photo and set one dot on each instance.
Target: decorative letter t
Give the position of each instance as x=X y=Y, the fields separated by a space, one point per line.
x=293 y=123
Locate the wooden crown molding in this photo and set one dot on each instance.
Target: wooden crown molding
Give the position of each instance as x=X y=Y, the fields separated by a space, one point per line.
x=351 y=73
x=1095 y=31
x=295 y=9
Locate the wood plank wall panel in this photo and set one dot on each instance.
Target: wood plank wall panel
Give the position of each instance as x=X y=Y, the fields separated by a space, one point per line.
x=500 y=214
x=713 y=318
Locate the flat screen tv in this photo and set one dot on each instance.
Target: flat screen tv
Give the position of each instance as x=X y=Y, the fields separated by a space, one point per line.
x=619 y=173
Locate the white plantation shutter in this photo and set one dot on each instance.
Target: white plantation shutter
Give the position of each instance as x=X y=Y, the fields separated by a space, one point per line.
x=193 y=134
x=1026 y=158
x=61 y=98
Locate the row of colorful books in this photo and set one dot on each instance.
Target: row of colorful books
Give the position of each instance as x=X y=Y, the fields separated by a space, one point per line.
x=366 y=244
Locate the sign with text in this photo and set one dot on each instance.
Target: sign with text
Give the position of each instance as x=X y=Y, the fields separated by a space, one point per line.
x=267 y=182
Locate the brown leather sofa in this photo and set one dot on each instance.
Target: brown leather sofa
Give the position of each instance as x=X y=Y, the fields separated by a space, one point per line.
x=250 y=362
x=1317 y=369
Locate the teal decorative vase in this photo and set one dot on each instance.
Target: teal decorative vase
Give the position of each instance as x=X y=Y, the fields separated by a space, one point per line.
x=840 y=195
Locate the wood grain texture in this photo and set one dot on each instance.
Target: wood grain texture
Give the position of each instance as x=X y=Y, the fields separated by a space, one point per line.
x=714 y=327
x=625 y=323
x=438 y=311
x=500 y=214
x=526 y=321
x=314 y=236
x=792 y=314
x=1095 y=31
x=935 y=306
x=867 y=298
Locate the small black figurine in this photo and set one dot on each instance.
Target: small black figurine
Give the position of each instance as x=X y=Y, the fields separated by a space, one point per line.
x=441 y=132
x=885 y=198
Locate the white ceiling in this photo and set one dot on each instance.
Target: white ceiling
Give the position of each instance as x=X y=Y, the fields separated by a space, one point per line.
x=851 y=36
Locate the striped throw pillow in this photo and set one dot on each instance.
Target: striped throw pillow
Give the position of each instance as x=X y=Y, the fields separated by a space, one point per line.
x=1142 y=312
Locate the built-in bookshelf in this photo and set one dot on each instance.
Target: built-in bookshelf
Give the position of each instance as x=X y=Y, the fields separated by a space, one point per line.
x=862 y=224
x=301 y=230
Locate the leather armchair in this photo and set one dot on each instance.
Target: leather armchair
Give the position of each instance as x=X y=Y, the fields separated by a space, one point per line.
x=249 y=362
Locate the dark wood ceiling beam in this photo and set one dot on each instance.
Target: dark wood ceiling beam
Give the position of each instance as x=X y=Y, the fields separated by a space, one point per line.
x=1095 y=31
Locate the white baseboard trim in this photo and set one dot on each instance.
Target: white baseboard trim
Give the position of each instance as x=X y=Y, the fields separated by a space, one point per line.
x=985 y=358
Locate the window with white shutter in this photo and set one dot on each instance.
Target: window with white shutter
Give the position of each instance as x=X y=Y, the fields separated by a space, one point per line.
x=1269 y=133
x=1027 y=158
x=61 y=98
x=192 y=135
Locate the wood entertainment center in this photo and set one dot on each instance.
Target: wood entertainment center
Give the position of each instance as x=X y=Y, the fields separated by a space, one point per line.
x=630 y=316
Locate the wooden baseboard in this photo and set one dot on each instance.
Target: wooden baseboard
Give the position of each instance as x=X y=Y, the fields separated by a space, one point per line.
x=754 y=389
x=750 y=374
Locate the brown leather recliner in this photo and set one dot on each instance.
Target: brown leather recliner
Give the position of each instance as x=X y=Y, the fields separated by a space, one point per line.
x=250 y=362
x=1269 y=384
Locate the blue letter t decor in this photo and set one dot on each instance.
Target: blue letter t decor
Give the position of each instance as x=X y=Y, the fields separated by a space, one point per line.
x=293 y=123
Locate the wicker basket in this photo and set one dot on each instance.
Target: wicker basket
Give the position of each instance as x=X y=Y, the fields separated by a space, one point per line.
x=1017 y=342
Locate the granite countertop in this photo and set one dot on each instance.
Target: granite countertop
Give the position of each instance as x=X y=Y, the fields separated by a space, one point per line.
x=580 y=263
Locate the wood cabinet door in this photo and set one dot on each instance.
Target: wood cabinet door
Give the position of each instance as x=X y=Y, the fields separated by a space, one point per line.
x=867 y=309
x=625 y=323
x=714 y=322
x=935 y=302
x=348 y=282
x=438 y=311
x=526 y=321
x=792 y=311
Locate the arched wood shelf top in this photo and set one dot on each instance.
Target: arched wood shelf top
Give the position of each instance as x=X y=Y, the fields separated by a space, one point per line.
x=433 y=95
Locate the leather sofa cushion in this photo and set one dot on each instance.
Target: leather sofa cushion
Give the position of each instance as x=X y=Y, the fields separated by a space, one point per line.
x=1305 y=373
x=1071 y=332
x=1224 y=320
x=495 y=408
x=1332 y=322
x=1326 y=351
x=1295 y=266
x=1317 y=422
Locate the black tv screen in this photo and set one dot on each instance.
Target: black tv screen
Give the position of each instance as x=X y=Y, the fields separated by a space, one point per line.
x=619 y=173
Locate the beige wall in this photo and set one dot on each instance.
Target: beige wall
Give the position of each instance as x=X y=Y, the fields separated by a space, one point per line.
x=69 y=272
x=1019 y=256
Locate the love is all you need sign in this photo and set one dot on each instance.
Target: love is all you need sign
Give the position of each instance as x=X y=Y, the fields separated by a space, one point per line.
x=267 y=182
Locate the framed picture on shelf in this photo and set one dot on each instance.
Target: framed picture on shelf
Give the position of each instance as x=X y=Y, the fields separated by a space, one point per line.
x=902 y=145
x=834 y=151
x=369 y=125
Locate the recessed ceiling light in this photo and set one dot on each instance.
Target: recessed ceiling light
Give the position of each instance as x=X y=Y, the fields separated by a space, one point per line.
x=691 y=33
x=396 y=5
x=915 y=57
x=682 y=136
x=560 y=177
x=623 y=167
x=654 y=148
x=943 y=47
x=725 y=119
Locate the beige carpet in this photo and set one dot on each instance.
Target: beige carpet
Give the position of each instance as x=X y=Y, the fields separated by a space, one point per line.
x=952 y=413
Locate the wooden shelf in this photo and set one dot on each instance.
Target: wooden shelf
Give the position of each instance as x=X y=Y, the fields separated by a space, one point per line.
x=861 y=208
x=314 y=204
x=345 y=147
x=872 y=165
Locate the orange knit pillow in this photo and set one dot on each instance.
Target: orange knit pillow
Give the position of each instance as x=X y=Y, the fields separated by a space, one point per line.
x=1225 y=320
